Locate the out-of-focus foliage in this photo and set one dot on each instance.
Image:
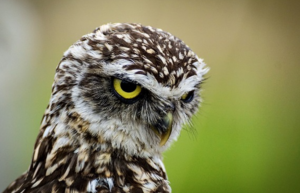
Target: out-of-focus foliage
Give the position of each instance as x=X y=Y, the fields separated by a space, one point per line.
x=246 y=136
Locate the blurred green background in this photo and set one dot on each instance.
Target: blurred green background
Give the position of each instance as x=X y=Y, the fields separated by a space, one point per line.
x=246 y=136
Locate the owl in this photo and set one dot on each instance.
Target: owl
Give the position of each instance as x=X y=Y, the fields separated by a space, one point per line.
x=119 y=99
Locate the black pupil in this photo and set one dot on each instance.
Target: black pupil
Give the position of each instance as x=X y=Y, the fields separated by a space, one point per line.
x=127 y=86
x=189 y=97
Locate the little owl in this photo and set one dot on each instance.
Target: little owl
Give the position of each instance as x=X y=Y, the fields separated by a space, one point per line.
x=119 y=99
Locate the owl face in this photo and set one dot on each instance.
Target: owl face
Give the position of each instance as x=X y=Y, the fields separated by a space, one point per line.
x=135 y=86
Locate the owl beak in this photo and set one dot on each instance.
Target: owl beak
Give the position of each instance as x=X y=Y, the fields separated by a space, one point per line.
x=163 y=128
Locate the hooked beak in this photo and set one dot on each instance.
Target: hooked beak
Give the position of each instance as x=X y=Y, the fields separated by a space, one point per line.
x=163 y=128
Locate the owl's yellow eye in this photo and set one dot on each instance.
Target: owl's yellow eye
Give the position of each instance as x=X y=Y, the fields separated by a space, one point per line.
x=187 y=97
x=184 y=96
x=126 y=90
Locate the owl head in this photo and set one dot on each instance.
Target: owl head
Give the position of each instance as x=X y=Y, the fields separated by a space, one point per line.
x=129 y=87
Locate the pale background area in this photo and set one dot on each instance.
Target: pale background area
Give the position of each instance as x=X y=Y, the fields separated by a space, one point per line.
x=246 y=136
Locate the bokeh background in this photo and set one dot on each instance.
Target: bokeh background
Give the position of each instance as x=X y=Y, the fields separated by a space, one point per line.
x=246 y=136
